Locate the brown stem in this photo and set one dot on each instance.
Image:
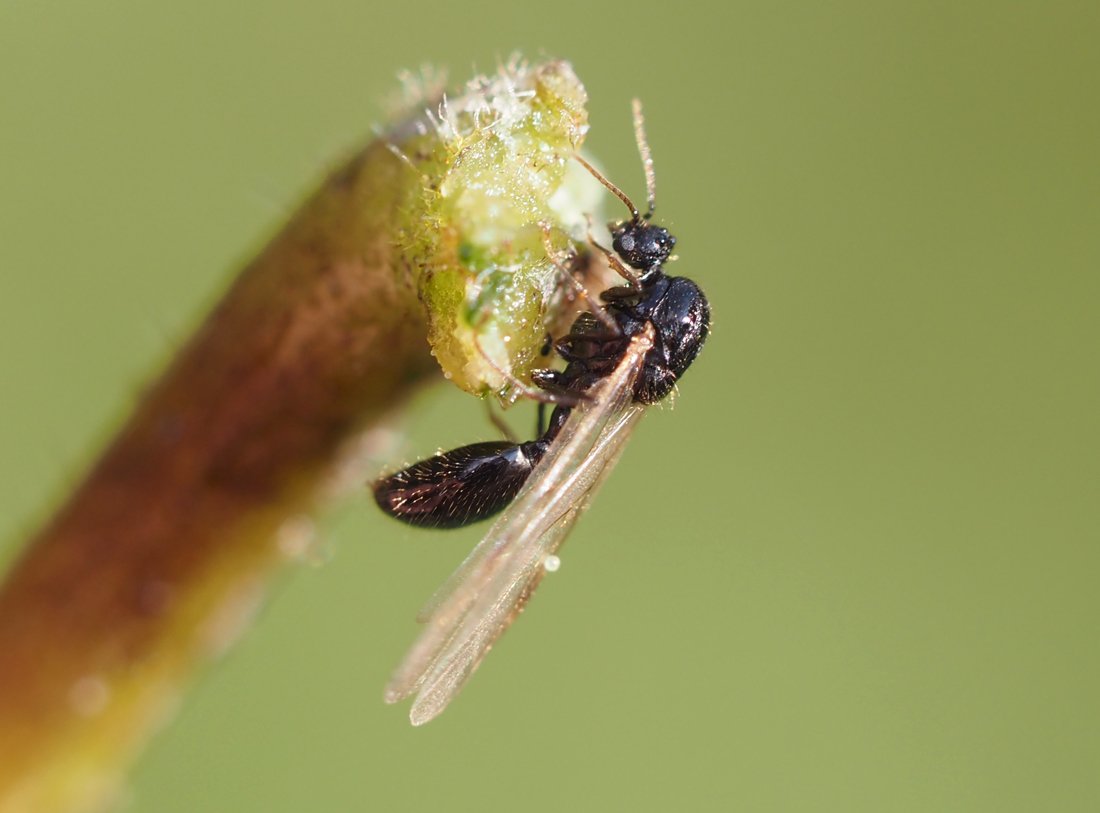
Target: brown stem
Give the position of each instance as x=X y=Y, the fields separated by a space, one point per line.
x=156 y=558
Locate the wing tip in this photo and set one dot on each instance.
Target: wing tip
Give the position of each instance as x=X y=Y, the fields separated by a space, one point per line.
x=395 y=694
x=419 y=714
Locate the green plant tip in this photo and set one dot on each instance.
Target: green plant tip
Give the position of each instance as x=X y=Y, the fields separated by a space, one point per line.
x=495 y=166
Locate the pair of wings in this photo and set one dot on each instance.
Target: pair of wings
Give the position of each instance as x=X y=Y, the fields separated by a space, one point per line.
x=489 y=589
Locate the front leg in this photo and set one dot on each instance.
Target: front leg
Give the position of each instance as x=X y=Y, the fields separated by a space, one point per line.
x=555 y=387
x=619 y=293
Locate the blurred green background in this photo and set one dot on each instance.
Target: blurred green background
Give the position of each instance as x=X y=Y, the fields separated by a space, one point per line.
x=855 y=568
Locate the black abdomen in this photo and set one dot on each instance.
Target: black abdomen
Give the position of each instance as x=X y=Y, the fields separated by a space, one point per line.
x=458 y=487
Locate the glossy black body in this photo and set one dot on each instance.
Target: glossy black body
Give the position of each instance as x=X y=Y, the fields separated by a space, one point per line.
x=642 y=245
x=680 y=315
x=461 y=486
x=474 y=482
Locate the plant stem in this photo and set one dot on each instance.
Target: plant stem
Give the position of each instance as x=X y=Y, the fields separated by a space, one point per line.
x=160 y=552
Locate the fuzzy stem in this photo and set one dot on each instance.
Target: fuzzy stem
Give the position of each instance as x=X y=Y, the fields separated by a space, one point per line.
x=156 y=561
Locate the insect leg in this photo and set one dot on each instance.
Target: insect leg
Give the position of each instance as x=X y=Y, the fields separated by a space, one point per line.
x=562 y=398
x=614 y=261
x=554 y=383
x=593 y=305
x=618 y=293
x=540 y=421
x=499 y=422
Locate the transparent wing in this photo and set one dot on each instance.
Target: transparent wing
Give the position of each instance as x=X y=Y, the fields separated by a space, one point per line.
x=489 y=589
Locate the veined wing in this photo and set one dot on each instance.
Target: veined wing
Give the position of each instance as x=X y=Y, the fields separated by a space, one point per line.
x=483 y=596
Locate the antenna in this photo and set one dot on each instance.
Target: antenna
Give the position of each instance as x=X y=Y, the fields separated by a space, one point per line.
x=647 y=159
x=620 y=194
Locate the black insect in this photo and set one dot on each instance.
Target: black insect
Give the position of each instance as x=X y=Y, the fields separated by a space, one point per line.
x=472 y=483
